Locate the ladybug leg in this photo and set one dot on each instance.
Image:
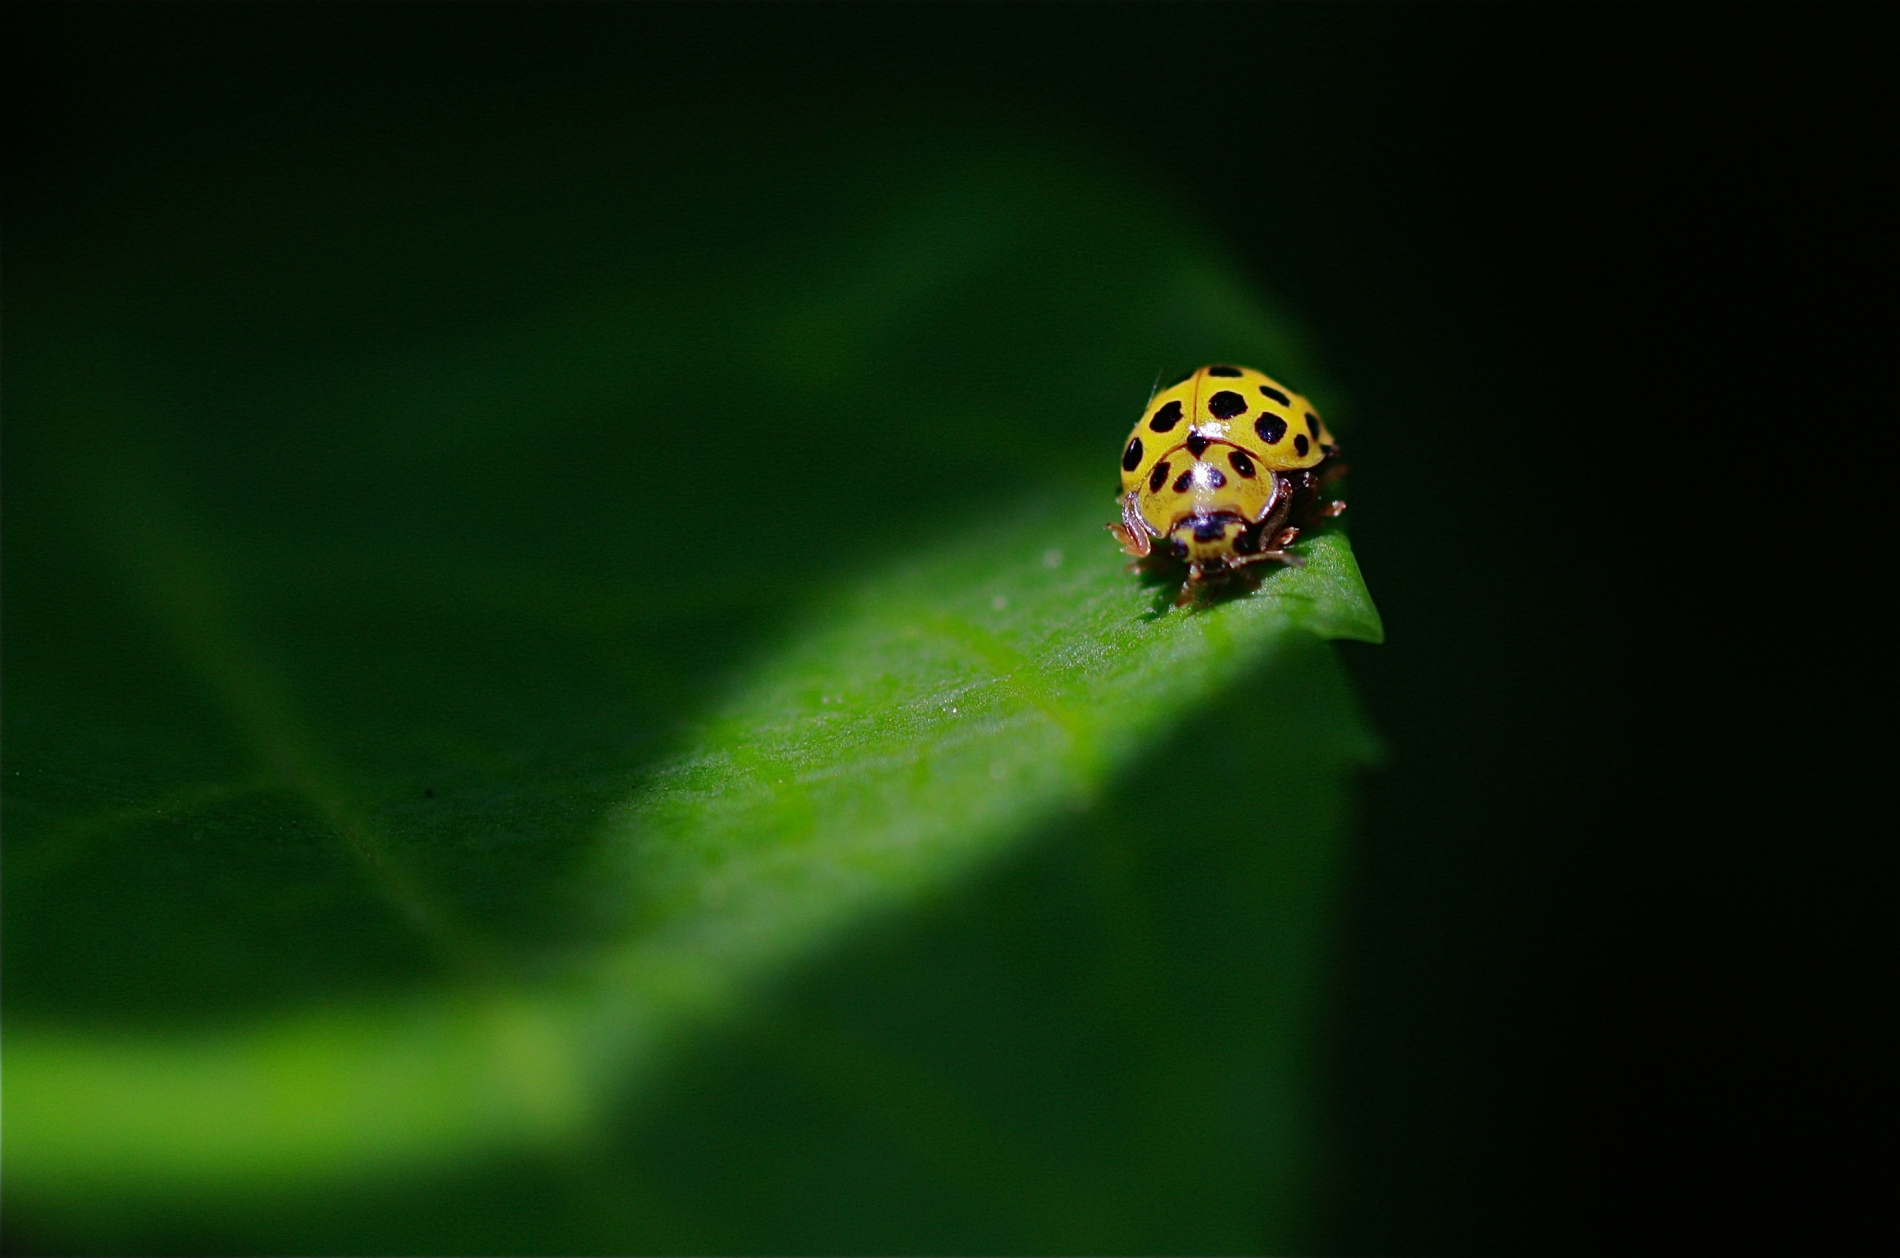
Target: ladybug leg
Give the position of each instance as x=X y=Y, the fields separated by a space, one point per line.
x=1190 y=587
x=1275 y=551
x=1136 y=546
x=1329 y=471
x=1132 y=532
x=1276 y=555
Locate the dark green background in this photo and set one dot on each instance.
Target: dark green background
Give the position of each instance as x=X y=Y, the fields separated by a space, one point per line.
x=1588 y=278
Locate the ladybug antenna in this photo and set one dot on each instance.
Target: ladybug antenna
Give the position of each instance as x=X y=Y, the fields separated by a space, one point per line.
x=1155 y=387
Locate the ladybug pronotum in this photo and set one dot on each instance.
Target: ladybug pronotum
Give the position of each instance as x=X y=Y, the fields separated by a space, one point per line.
x=1223 y=470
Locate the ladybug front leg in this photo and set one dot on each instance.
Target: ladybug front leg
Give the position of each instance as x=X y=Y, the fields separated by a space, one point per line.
x=1200 y=578
x=1275 y=551
x=1135 y=545
x=1190 y=588
x=1132 y=532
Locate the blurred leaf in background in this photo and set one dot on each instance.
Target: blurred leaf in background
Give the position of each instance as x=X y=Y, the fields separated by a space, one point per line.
x=562 y=699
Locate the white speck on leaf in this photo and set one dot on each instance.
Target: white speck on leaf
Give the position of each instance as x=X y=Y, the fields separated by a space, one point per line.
x=1052 y=558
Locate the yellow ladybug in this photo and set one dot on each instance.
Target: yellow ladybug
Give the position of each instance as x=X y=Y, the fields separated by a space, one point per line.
x=1223 y=470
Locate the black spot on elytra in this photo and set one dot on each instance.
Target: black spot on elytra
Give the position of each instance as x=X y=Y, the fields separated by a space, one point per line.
x=1158 y=477
x=1226 y=404
x=1267 y=391
x=1271 y=428
x=1131 y=457
x=1214 y=479
x=1196 y=444
x=1166 y=418
x=1241 y=462
x=1225 y=372
x=1181 y=481
x=1300 y=445
x=1312 y=424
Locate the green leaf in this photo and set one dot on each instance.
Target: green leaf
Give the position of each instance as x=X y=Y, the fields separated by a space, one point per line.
x=439 y=773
